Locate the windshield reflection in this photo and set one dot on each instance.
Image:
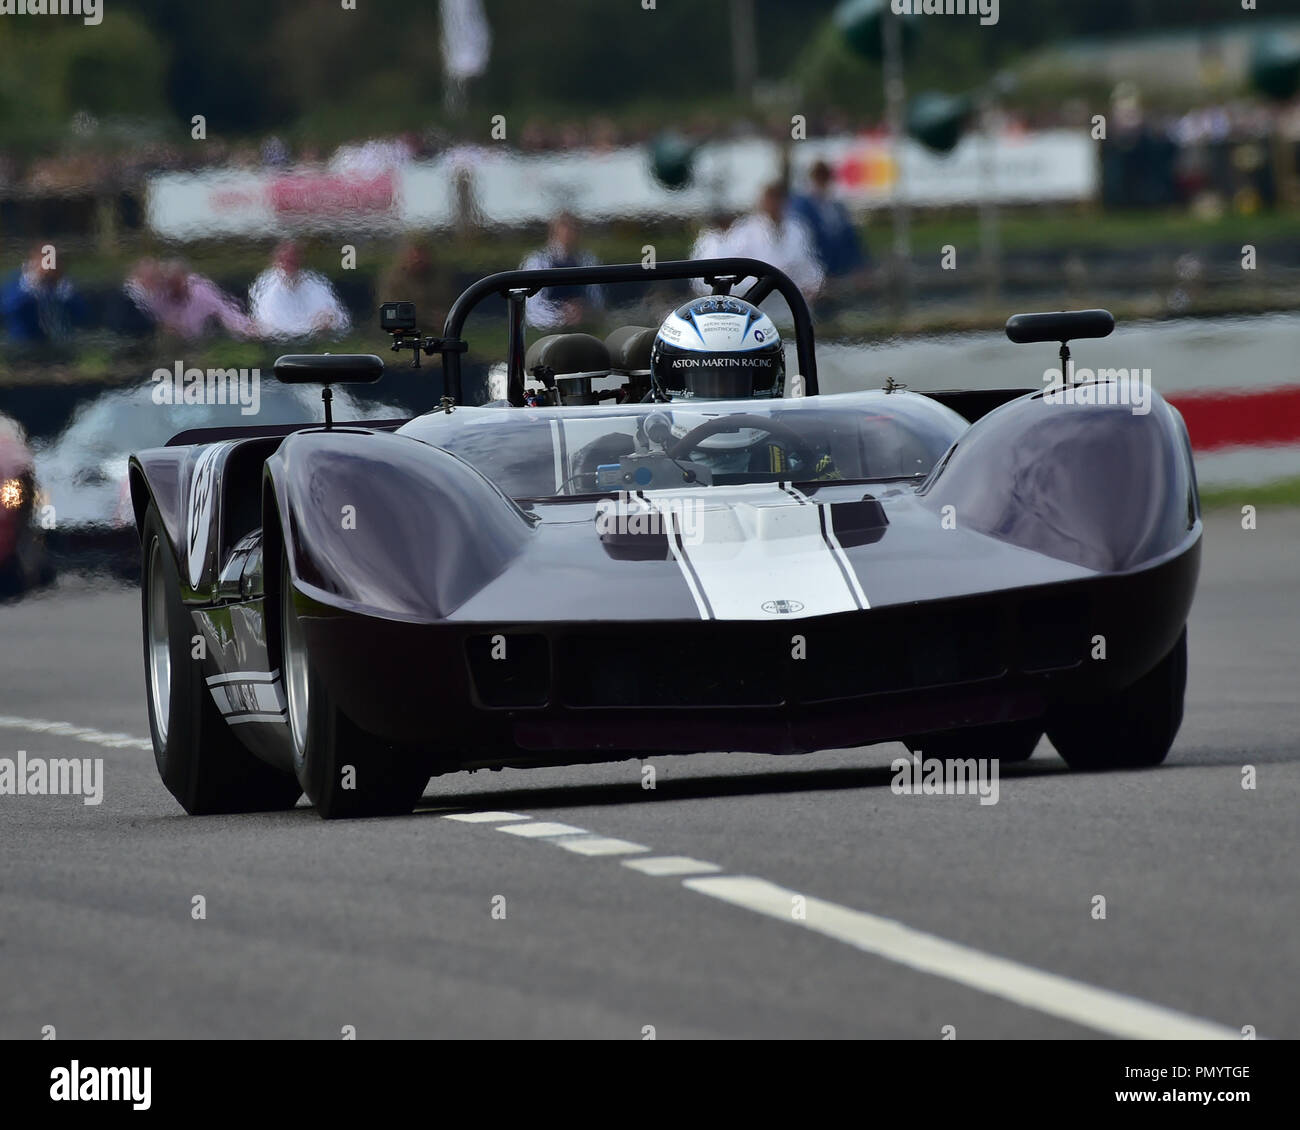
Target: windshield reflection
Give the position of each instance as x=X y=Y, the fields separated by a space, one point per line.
x=539 y=453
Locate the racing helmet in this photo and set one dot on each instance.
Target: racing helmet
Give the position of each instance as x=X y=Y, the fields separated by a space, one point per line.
x=717 y=348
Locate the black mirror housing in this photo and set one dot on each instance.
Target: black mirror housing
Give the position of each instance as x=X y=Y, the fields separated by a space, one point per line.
x=328 y=368
x=1060 y=325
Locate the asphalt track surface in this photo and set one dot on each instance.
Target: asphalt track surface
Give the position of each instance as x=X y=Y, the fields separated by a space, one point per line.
x=388 y=925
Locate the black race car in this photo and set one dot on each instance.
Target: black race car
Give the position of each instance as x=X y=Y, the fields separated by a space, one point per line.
x=582 y=574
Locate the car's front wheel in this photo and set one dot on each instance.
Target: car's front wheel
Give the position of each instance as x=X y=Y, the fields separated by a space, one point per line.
x=202 y=764
x=344 y=771
x=1129 y=730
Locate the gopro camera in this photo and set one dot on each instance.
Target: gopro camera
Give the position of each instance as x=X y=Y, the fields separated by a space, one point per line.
x=397 y=317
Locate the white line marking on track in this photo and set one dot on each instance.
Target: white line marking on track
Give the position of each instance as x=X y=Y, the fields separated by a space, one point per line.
x=1099 y=1009
x=543 y=829
x=601 y=845
x=485 y=817
x=1102 y=1010
x=671 y=865
x=77 y=733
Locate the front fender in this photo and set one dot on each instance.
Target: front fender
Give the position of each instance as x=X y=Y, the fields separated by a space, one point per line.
x=383 y=524
x=186 y=485
x=156 y=476
x=1094 y=484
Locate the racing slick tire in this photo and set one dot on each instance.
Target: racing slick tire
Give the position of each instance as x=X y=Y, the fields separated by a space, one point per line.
x=1132 y=729
x=1005 y=741
x=344 y=771
x=202 y=764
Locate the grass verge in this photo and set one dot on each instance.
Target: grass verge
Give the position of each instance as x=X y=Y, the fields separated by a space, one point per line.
x=1285 y=492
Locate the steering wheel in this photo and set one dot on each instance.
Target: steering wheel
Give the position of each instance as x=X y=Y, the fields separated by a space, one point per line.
x=792 y=443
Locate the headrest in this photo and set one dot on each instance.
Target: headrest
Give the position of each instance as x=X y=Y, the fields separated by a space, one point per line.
x=568 y=355
x=629 y=350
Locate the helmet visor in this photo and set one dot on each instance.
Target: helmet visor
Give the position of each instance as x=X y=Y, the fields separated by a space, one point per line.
x=713 y=377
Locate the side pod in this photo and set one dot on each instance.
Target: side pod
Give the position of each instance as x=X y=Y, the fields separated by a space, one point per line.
x=385 y=525
x=1099 y=485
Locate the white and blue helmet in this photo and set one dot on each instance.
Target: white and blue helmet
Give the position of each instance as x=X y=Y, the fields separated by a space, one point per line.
x=717 y=348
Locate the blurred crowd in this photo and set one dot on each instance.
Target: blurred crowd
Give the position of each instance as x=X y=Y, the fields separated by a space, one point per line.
x=41 y=305
x=810 y=236
x=1209 y=158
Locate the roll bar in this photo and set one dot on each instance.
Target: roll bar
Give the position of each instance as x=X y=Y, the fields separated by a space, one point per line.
x=517 y=286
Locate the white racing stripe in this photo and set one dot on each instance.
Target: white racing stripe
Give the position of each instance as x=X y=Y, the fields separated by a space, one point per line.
x=828 y=532
x=249 y=696
x=678 y=550
x=245 y=677
x=1099 y=1009
x=558 y=460
x=757 y=552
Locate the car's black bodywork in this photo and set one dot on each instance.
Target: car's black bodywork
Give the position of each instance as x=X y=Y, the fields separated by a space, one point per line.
x=1041 y=559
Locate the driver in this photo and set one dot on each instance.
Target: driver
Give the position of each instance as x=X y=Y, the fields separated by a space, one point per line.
x=723 y=348
x=714 y=348
x=717 y=348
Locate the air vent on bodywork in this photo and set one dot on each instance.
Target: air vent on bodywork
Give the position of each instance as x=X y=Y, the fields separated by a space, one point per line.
x=715 y=665
x=1053 y=633
x=899 y=650
x=634 y=544
x=510 y=669
x=858 y=523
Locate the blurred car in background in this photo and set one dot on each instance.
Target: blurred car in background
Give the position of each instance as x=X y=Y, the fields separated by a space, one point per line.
x=83 y=471
x=23 y=560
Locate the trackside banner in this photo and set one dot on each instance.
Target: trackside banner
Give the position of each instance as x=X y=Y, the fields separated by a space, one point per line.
x=508 y=188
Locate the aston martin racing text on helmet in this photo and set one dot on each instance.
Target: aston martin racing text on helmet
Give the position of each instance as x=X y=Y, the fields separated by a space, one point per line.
x=717 y=348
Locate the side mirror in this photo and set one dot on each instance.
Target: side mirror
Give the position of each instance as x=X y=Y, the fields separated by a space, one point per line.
x=328 y=368
x=1060 y=325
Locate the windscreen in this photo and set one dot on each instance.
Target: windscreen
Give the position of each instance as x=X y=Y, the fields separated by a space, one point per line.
x=556 y=452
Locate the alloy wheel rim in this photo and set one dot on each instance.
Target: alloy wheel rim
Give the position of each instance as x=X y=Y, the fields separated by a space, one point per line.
x=160 y=656
x=295 y=665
